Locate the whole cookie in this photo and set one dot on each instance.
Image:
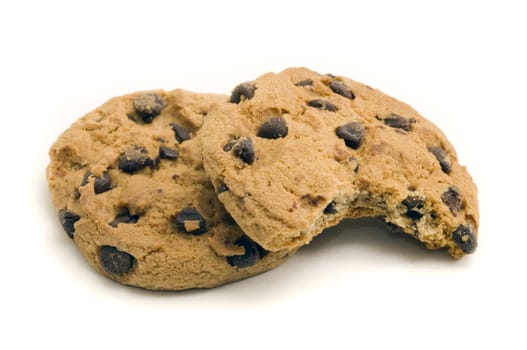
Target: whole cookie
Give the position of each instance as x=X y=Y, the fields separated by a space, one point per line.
x=127 y=180
x=296 y=152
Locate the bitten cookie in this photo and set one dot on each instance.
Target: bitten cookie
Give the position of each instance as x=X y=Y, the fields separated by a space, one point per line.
x=127 y=180
x=296 y=152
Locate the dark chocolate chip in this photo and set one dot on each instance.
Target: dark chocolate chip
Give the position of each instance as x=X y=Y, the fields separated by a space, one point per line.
x=229 y=145
x=306 y=82
x=414 y=204
x=442 y=157
x=133 y=160
x=180 y=132
x=251 y=255
x=352 y=133
x=115 y=261
x=168 y=153
x=453 y=199
x=321 y=104
x=148 y=106
x=273 y=128
x=246 y=90
x=396 y=121
x=312 y=199
x=261 y=250
x=341 y=88
x=330 y=208
x=316 y=103
x=227 y=219
x=124 y=217
x=244 y=150
x=465 y=238
x=86 y=178
x=222 y=187
x=189 y=220
x=67 y=220
x=103 y=183
x=155 y=163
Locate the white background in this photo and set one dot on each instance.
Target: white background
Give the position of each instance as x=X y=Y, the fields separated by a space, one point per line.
x=461 y=64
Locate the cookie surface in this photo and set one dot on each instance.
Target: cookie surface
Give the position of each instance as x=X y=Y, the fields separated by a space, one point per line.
x=296 y=152
x=127 y=180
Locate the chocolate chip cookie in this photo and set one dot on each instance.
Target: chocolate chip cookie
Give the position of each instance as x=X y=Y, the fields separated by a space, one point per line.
x=296 y=152
x=127 y=180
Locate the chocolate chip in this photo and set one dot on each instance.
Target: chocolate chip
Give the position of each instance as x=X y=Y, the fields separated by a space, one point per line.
x=164 y=153
x=134 y=159
x=352 y=133
x=306 y=82
x=222 y=187
x=312 y=199
x=442 y=157
x=124 y=217
x=154 y=164
x=261 y=251
x=67 y=220
x=244 y=89
x=227 y=219
x=189 y=220
x=182 y=134
x=86 y=178
x=414 y=204
x=148 y=106
x=229 y=145
x=330 y=208
x=465 y=238
x=103 y=183
x=453 y=199
x=244 y=150
x=168 y=153
x=273 y=128
x=321 y=104
x=396 y=121
x=253 y=253
x=341 y=88
x=115 y=261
